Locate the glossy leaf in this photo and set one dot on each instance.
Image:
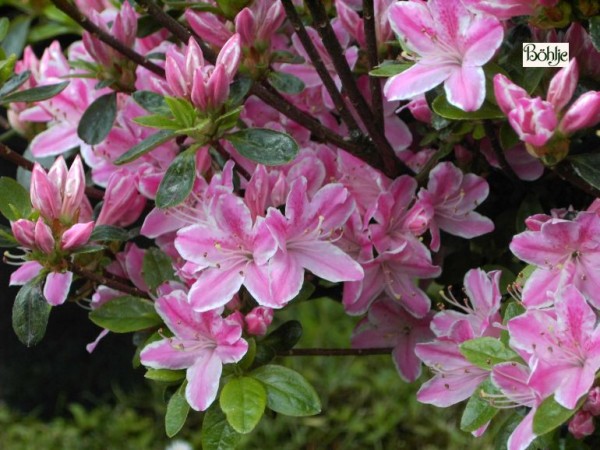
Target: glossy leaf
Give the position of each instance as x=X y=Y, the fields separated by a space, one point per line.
x=157 y=268
x=109 y=233
x=151 y=101
x=217 y=434
x=487 y=111
x=30 y=313
x=389 y=70
x=486 y=351
x=243 y=401
x=549 y=416
x=126 y=314
x=178 y=181
x=98 y=119
x=177 y=412
x=146 y=146
x=587 y=166
x=35 y=94
x=264 y=146
x=14 y=82
x=479 y=411
x=15 y=202
x=286 y=83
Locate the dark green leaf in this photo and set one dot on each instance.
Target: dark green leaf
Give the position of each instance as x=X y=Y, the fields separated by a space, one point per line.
x=90 y=248
x=4 y=24
x=508 y=137
x=30 y=313
x=151 y=101
x=549 y=416
x=529 y=206
x=126 y=314
x=285 y=336
x=286 y=83
x=443 y=108
x=217 y=434
x=98 y=119
x=178 y=181
x=17 y=36
x=36 y=94
x=147 y=25
x=243 y=401
x=238 y=90
x=177 y=412
x=264 y=146
x=7 y=240
x=288 y=392
x=587 y=166
x=486 y=351
x=14 y=82
x=14 y=200
x=595 y=31
x=147 y=145
x=109 y=233
x=165 y=375
x=389 y=70
x=157 y=268
x=479 y=411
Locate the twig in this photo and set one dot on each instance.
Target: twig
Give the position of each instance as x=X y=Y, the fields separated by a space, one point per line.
x=10 y=155
x=317 y=61
x=392 y=166
x=373 y=60
x=72 y=11
x=335 y=351
x=106 y=280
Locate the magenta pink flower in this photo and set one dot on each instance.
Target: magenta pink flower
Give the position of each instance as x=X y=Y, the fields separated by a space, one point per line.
x=451 y=43
x=202 y=343
x=565 y=252
x=453 y=196
x=122 y=203
x=582 y=425
x=389 y=325
x=564 y=345
x=505 y=9
x=258 y=320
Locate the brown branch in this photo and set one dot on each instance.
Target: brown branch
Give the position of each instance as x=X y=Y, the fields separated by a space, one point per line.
x=317 y=61
x=392 y=166
x=71 y=10
x=335 y=352
x=373 y=60
x=10 y=155
x=107 y=280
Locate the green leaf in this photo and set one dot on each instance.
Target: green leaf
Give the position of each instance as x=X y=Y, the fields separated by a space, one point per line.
x=228 y=120
x=389 y=70
x=126 y=314
x=98 y=119
x=479 y=411
x=147 y=145
x=35 y=94
x=587 y=166
x=264 y=146
x=512 y=310
x=595 y=31
x=549 y=416
x=285 y=336
x=4 y=24
x=243 y=401
x=182 y=110
x=147 y=25
x=30 y=313
x=508 y=137
x=151 y=102
x=157 y=268
x=15 y=40
x=158 y=121
x=485 y=352
x=109 y=233
x=177 y=412
x=14 y=82
x=178 y=181
x=443 y=108
x=217 y=434
x=7 y=240
x=165 y=375
x=529 y=206
x=286 y=82
x=238 y=90
x=288 y=392
x=15 y=203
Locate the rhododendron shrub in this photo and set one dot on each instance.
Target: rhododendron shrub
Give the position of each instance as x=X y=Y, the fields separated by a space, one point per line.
x=200 y=167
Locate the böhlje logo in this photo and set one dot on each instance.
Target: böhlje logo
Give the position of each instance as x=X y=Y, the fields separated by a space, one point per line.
x=545 y=54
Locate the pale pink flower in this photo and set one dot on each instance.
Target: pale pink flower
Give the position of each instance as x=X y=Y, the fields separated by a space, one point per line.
x=389 y=325
x=451 y=44
x=201 y=344
x=122 y=203
x=505 y=9
x=258 y=320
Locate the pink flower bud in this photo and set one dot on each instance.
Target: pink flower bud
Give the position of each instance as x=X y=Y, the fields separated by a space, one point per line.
x=258 y=320
x=230 y=56
x=562 y=86
x=272 y=21
x=351 y=21
x=24 y=232
x=507 y=93
x=44 y=194
x=43 y=237
x=194 y=58
x=217 y=87
x=534 y=120
x=76 y=236
x=584 y=113
x=581 y=425
x=175 y=74
x=74 y=189
x=125 y=25
x=122 y=202
x=245 y=26
x=592 y=403
x=208 y=27
x=420 y=109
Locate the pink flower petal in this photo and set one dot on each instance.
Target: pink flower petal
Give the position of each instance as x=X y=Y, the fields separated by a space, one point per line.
x=57 y=287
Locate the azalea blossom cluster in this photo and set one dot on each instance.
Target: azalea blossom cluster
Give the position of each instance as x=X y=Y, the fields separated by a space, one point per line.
x=248 y=156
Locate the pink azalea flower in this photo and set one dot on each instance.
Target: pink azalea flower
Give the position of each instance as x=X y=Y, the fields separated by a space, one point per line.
x=451 y=43
x=505 y=9
x=389 y=325
x=453 y=196
x=202 y=343
x=565 y=252
x=122 y=203
x=582 y=425
x=564 y=345
x=258 y=320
